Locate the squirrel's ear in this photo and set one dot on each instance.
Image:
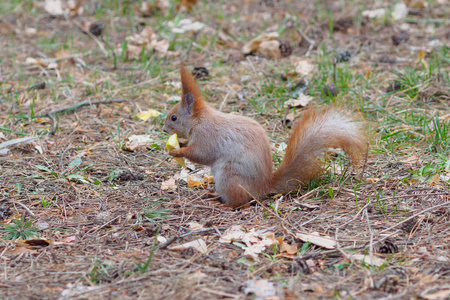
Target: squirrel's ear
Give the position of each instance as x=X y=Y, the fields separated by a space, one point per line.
x=190 y=86
x=188 y=102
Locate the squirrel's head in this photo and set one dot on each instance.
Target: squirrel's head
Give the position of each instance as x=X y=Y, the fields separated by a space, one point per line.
x=184 y=115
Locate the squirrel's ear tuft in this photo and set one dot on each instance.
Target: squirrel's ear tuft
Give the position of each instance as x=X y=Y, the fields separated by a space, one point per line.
x=191 y=93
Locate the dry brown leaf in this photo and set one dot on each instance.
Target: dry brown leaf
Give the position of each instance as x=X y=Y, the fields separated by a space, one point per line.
x=198 y=245
x=138 y=141
x=434 y=179
x=288 y=251
x=54 y=7
x=372 y=180
x=192 y=182
x=20 y=250
x=195 y=226
x=168 y=185
x=254 y=44
x=147 y=39
x=261 y=288
x=304 y=68
x=410 y=160
x=302 y=101
x=270 y=49
x=255 y=242
x=375 y=261
x=67 y=240
x=314 y=238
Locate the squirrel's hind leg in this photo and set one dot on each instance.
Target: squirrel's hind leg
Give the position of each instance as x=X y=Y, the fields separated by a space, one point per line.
x=232 y=193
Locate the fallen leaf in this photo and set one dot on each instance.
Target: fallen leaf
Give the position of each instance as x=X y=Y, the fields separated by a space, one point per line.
x=302 y=101
x=20 y=250
x=255 y=242
x=410 y=160
x=151 y=113
x=270 y=49
x=138 y=141
x=186 y=25
x=168 y=185
x=434 y=179
x=67 y=240
x=372 y=180
x=400 y=11
x=304 y=68
x=254 y=44
x=192 y=182
x=378 y=13
x=374 y=261
x=261 y=288
x=161 y=239
x=147 y=39
x=195 y=226
x=54 y=7
x=288 y=251
x=314 y=238
x=198 y=245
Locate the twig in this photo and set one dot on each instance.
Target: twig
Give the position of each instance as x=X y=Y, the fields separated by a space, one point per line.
x=51 y=114
x=109 y=222
x=37 y=86
x=310 y=41
x=26 y=208
x=371 y=236
x=224 y=101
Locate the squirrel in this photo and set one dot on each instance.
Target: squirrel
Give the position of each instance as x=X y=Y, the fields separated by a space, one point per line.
x=239 y=152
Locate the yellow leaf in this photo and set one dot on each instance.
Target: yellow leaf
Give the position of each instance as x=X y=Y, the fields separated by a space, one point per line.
x=145 y=115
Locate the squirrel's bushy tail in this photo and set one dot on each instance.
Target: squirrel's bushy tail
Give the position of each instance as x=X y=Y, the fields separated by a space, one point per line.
x=315 y=131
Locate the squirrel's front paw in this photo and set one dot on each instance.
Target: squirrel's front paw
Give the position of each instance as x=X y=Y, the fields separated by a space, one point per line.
x=175 y=153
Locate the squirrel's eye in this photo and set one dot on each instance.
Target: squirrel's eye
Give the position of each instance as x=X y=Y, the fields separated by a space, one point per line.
x=173 y=118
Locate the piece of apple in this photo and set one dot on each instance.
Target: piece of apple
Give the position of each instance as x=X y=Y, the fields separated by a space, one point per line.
x=172 y=143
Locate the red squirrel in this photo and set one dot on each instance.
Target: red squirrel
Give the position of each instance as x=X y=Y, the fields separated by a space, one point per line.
x=238 y=149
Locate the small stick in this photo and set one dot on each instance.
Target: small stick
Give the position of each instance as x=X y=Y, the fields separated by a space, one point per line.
x=224 y=101
x=51 y=114
x=109 y=222
x=26 y=208
x=310 y=41
x=37 y=86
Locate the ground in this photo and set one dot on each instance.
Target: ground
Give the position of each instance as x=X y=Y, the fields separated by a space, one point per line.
x=84 y=215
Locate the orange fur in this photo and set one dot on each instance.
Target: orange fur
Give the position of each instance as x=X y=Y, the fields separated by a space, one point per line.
x=190 y=85
x=238 y=150
x=312 y=134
